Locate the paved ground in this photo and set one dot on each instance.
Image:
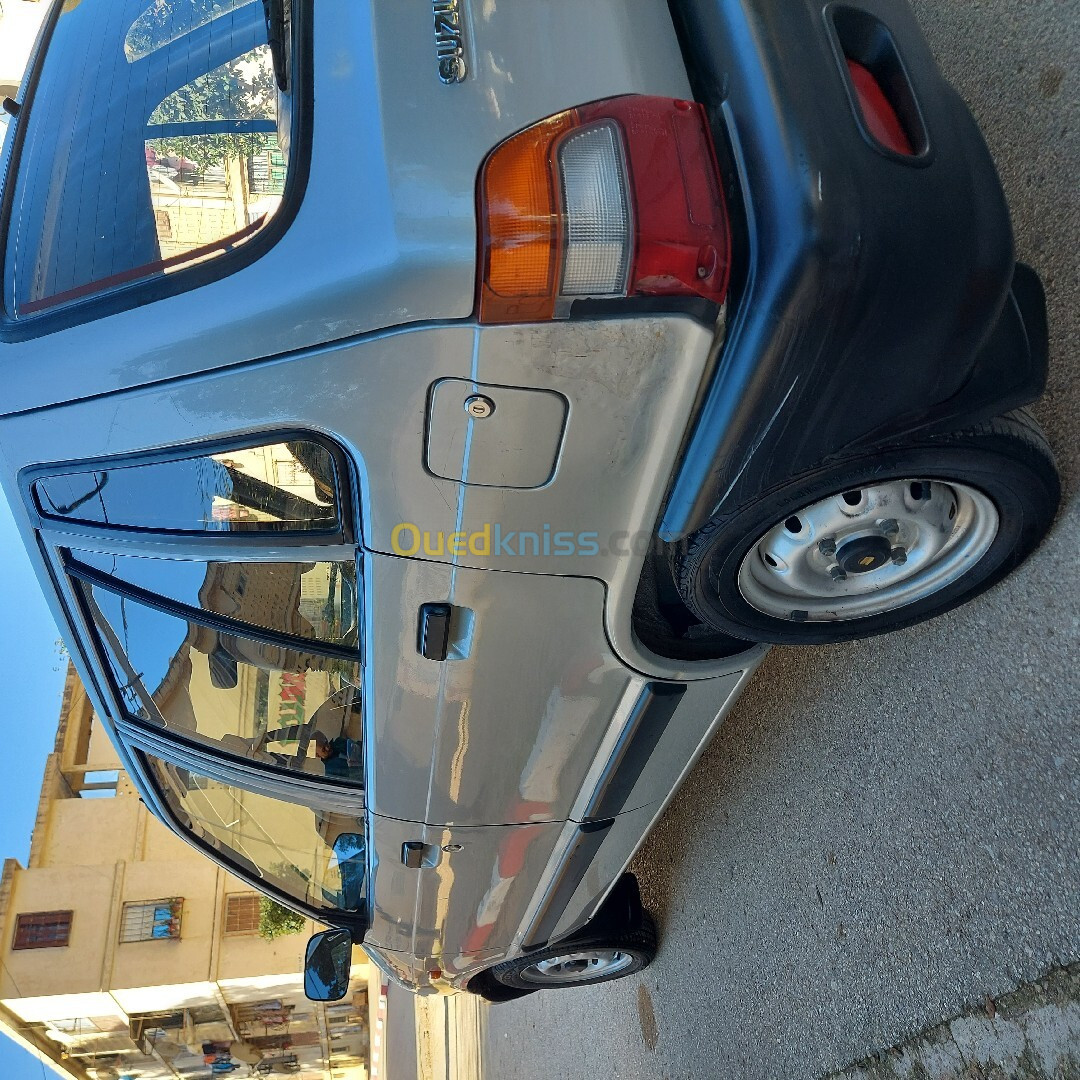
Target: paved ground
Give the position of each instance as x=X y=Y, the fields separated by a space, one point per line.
x=449 y=1037
x=399 y=1057
x=1033 y=1034
x=884 y=834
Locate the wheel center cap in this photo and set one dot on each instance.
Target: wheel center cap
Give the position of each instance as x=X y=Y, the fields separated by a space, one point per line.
x=863 y=554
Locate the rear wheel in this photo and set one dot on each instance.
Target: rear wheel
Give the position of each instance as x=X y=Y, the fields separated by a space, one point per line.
x=877 y=541
x=582 y=961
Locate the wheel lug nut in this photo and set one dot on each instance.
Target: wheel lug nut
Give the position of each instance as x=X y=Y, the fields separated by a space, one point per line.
x=890 y=526
x=837 y=573
x=827 y=547
x=898 y=556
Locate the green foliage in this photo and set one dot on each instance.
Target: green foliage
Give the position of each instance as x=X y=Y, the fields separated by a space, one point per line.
x=276 y=921
x=61 y=658
x=241 y=89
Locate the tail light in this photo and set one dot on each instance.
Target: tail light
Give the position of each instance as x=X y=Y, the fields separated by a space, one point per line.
x=615 y=199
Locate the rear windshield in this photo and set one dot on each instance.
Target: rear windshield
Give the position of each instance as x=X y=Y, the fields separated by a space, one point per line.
x=158 y=138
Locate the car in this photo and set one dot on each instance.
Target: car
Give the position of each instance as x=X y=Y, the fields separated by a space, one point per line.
x=173 y=166
x=417 y=498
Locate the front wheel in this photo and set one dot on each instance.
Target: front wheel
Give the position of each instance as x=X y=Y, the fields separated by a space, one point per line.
x=877 y=541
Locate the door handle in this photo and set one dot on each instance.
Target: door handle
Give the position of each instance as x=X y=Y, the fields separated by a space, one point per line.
x=433 y=633
x=417 y=855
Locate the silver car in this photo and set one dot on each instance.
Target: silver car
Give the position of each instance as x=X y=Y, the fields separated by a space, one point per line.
x=423 y=414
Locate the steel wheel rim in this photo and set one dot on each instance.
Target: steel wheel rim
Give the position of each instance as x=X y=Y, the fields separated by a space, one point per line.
x=574 y=967
x=868 y=550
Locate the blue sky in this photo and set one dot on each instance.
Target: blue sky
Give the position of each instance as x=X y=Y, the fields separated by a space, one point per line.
x=28 y=645
x=34 y=685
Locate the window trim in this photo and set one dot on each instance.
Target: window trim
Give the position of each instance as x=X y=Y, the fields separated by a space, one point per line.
x=347 y=494
x=149 y=290
x=30 y=915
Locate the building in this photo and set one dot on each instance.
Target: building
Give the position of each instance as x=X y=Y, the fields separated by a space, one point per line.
x=20 y=21
x=126 y=954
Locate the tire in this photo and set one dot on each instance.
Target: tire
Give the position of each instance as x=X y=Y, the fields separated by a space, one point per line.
x=581 y=961
x=940 y=519
x=486 y=986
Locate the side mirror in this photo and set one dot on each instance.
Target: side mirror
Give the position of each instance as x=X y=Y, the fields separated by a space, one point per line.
x=350 y=852
x=327 y=965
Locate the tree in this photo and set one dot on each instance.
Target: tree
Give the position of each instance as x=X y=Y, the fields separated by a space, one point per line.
x=277 y=921
x=240 y=89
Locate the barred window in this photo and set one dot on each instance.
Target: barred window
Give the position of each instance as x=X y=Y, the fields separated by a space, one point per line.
x=241 y=913
x=42 y=930
x=151 y=920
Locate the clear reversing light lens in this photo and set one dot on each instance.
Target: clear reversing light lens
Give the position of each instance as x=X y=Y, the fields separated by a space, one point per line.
x=596 y=205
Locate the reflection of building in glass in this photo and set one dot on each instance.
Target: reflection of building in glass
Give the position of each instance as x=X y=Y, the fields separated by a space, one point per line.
x=303 y=470
x=126 y=953
x=219 y=685
x=229 y=491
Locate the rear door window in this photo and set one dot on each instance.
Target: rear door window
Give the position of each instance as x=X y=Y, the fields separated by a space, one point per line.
x=159 y=137
x=277 y=702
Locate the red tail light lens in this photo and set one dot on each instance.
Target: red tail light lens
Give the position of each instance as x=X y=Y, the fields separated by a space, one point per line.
x=614 y=199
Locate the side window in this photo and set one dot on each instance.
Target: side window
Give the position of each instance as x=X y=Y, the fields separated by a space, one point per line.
x=275 y=703
x=316 y=856
x=280 y=487
x=316 y=601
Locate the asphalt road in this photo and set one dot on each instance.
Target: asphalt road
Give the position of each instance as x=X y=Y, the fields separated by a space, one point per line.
x=883 y=833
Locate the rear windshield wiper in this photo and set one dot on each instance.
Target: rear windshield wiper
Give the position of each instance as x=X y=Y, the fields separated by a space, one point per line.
x=278 y=34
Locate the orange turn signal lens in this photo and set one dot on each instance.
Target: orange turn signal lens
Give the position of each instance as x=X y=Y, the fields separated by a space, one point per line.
x=521 y=225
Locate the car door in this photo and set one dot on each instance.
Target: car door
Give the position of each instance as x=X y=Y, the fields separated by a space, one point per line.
x=505 y=729
x=447 y=898
x=477 y=760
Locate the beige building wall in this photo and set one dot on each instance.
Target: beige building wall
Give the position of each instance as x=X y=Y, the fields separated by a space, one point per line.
x=18 y=31
x=84 y=1004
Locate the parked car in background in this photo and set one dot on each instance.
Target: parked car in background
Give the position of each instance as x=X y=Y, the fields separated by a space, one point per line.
x=177 y=166
x=418 y=496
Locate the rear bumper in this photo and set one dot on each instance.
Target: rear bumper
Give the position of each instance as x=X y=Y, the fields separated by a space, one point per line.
x=868 y=285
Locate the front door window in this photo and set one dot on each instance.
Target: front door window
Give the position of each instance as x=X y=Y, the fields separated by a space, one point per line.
x=316 y=856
